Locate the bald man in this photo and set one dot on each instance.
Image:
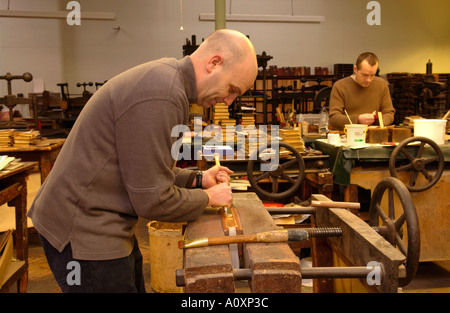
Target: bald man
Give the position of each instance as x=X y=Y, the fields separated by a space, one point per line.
x=116 y=165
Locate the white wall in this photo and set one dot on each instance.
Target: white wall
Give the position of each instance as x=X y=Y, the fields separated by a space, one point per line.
x=411 y=32
x=30 y=45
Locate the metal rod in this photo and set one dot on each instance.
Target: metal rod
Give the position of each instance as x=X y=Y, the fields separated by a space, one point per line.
x=336 y=272
x=307 y=273
x=316 y=272
x=290 y=210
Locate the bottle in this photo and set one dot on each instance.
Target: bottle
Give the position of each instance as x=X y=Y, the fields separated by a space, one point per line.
x=323 y=121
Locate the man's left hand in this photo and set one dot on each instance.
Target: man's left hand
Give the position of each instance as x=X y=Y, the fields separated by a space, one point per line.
x=216 y=174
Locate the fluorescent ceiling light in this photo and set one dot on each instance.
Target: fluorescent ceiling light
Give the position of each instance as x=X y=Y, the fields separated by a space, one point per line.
x=264 y=18
x=57 y=14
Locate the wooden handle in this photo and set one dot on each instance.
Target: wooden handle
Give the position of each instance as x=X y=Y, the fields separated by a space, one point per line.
x=332 y=204
x=268 y=236
x=225 y=240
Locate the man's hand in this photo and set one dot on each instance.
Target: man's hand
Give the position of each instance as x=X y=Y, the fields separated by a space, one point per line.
x=366 y=119
x=214 y=175
x=219 y=195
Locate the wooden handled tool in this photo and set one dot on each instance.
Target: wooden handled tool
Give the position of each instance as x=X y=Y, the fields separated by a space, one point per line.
x=217 y=159
x=380 y=119
x=282 y=235
x=348 y=117
x=332 y=204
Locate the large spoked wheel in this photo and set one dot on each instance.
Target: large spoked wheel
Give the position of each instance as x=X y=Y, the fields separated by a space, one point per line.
x=392 y=226
x=275 y=169
x=417 y=164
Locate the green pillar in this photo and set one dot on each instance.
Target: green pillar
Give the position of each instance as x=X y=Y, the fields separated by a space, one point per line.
x=220 y=14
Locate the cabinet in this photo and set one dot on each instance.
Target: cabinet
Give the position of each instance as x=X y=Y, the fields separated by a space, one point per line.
x=293 y=94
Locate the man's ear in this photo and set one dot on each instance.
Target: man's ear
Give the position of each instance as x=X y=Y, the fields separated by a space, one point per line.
x=213 y=62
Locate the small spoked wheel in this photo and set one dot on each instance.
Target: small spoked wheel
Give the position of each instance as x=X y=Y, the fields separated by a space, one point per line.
x=415 y=165
x=274 y=169
x=394 y=224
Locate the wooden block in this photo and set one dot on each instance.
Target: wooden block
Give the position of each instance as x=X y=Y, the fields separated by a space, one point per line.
x=377 y=135
x=399 y=134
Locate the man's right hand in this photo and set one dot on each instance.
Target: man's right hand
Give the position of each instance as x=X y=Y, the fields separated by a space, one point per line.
x=219 y=195
x=366 y=119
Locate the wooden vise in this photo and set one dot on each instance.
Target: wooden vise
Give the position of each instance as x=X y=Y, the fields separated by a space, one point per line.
x=273 y=267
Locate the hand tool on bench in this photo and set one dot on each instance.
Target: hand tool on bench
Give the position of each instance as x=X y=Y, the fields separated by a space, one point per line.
x=230 y=223
x=312 y=209
x=279 y=235
x=269 y=236
x=332 y=204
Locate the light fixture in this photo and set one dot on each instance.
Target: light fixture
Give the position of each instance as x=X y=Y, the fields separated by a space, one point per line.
x=57 y=14
x=264 y=18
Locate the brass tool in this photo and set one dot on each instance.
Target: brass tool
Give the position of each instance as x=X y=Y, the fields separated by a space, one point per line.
x=231 y=225
x=380 y=119
x=227 y=210
x=282 y=235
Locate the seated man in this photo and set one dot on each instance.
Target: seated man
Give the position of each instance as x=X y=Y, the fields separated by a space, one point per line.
x=362 y=95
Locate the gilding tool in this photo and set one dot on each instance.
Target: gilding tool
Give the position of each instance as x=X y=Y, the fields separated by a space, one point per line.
x=283 y=235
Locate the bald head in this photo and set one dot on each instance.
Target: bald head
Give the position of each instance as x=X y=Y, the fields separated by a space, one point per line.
x=234 y=46
x=227 y=60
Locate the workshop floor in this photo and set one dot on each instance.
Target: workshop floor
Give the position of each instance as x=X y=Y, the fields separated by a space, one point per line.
x=431 y=277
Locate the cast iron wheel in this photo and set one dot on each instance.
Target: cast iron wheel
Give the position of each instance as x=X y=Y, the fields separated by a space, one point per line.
x=417 y=164
x=392 y=227
x=277 y=171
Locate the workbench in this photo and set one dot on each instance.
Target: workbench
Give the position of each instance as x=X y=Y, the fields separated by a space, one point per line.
x=272 y=267
x=45 y=153
x=209 y=269
x=13 y=185
x=365 y=167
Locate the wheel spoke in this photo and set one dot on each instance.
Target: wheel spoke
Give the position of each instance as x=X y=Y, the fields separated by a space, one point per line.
x=391 y=203
x=289 y=163
x=421 y=147
x=405 y=167
x=380 y=211
x=274 y=184
x=401 y=246
x=431 y=160
x=398 y=223
x=407 y=154
x=288 y=178
x=427 y=176
x=413 y=178
x=262 y=176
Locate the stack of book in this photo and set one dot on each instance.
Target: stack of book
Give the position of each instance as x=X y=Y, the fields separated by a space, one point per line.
x=248 y=115
x=26 y=138
x=254 y=140
x=292 y=137
x=6 y=137
x=5 y=161
x=248 y=119
x=222 y=116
